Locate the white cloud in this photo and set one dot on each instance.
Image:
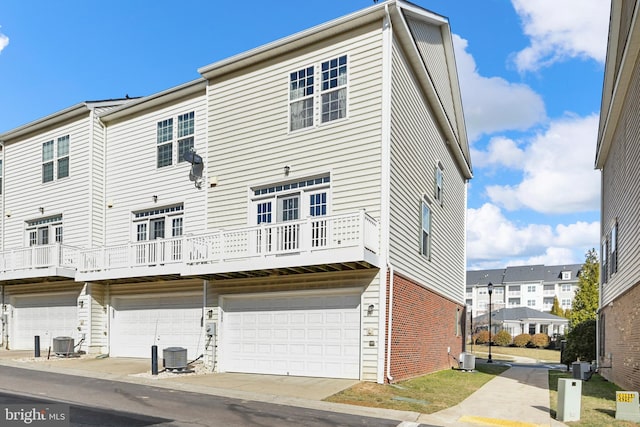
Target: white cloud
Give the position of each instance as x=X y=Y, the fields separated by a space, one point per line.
x=562 y=29
x=493 y=241
x=493 y=104
x=500 y=151
x=4 y=41
x=559 y=175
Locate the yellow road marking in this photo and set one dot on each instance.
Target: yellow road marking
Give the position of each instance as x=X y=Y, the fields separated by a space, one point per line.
x=495 y=422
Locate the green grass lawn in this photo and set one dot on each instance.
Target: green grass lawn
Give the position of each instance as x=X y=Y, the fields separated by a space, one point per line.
x=597 y=405
x=539 y=354
x=424 y=394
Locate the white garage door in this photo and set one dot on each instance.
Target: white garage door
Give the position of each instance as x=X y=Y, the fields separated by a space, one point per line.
x=139 y=322
x=315 y=335
x=47 y=316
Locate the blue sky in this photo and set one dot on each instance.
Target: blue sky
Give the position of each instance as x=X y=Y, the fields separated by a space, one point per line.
x=530 y=72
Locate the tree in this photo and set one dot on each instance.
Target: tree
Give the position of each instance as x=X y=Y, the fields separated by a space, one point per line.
x=556 y=310
x=585 y=302
x=581 y=339
x=580 y=343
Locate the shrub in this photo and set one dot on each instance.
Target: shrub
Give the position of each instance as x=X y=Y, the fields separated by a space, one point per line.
x=502 y=338
x=482 y=337
x=540 y=340
x=521 y=340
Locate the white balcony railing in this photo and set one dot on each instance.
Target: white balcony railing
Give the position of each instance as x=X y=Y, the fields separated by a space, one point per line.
x=39 y=257
x=314 y=234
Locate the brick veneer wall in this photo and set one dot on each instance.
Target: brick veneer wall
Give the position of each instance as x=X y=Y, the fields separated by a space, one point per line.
x=424 y=325
x=622 y=340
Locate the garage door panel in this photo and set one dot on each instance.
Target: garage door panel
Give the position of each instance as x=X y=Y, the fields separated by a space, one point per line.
x=139 y=322
x=311 y=335
x=47 y=316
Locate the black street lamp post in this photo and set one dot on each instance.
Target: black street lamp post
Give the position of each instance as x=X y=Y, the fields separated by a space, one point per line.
x=490 y=289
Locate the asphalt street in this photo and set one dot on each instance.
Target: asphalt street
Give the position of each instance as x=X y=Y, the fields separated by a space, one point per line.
x=97 y=402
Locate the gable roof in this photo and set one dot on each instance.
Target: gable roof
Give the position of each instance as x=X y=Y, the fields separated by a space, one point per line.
x=398 y=13
x=73 y=112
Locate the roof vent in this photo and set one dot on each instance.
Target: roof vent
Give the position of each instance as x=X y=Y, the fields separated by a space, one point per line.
x=175 y=358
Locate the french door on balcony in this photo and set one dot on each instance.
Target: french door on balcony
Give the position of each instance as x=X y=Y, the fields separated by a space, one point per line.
x=280 y=217
x=151 y=229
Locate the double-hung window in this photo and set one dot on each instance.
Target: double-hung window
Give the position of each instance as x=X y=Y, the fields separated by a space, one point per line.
x=169 y=153
x=301 y=98
x=55 y=159
x=334 y=89
x=439 y=182
x=186 y=125
x=425 y=243
x=320 y=88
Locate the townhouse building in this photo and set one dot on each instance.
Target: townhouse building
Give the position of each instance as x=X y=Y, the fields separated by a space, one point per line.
x=616 y=154
x=297 y=210
x=531 y=286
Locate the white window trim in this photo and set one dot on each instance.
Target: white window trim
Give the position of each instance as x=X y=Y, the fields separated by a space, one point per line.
x=303 y=194
x=426 y=203
x=175 y=139
x=317 y=94
x=168 y=215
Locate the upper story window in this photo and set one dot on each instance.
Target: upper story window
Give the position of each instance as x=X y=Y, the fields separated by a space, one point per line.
x=167 y=133
x=439 y=178
x=566 y=288
x=425 y=242
x=614 y=248
x=301 y=98
x=334 y=89
x=531 y=288
x=330 y=98
x=566 y=275
x=55 y=159
x=44 y=231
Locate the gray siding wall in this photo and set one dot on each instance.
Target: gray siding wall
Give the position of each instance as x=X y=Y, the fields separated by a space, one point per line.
x=25 y=192
x=417 y=145
x=132 y=175
x=621 y=195
x=250 y=142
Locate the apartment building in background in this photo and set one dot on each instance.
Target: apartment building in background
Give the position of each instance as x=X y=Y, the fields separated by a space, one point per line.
x=531 y=286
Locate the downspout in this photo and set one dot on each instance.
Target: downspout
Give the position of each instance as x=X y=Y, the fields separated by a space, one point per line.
x=390 y=323
x=386 y=312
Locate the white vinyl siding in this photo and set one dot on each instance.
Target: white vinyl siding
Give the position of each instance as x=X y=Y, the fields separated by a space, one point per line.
x=416 y=145
x=23 y=164
x=429 y=41
x=257 y=127
x=133 y=181
x=620 y=195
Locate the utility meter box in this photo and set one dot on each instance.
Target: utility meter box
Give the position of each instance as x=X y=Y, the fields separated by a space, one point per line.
x=569 y=399
x=627 y=406
x=210 y=328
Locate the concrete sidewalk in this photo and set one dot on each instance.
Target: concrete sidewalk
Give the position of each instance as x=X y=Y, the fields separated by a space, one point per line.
x=519 y=397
